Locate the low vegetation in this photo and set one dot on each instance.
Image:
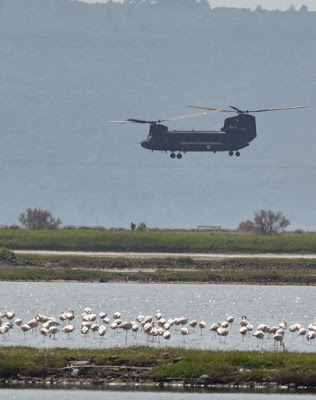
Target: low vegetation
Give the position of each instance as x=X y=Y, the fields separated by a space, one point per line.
x=172 y=363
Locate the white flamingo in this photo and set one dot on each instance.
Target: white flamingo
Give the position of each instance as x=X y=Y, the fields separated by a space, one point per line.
x=202 y=325
x=25 y=328
x=259 y=335
x=184 y=332
x=68 y=329
x=222 y=331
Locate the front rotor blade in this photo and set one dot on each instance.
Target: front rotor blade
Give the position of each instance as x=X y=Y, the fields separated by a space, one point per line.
x=211 y=109
x=139 y=121
x=120 y=122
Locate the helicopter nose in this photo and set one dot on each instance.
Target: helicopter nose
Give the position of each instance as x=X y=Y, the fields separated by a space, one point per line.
x=145 y=144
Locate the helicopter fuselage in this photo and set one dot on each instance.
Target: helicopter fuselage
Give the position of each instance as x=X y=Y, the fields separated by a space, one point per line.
x=236 y=134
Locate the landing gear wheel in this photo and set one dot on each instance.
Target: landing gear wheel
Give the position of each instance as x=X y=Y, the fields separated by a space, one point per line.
x=231 y=153
x=237 y=154
x=172 y=155
x=179 y=156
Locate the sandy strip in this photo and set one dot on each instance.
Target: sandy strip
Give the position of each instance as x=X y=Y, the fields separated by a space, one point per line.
x=148 y=255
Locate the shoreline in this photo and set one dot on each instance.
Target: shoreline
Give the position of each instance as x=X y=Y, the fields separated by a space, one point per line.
x=172 y=385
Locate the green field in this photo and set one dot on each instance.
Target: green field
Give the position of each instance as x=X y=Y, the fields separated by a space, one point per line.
x=89 y=240
x=171 y=363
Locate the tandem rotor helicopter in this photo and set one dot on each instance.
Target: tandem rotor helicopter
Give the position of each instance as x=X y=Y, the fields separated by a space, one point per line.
x=237 y=133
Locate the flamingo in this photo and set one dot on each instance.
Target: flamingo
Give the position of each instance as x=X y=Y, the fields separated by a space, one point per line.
x=243 y=321
x=230 y=319
x=214 y=327
x=225 y=324
x=166 y=326
x=302 y=332
x=68 y=329
x=167 y=335
x=25 y=328
x=44 y=332
x=70 y=315
x=158 y=315
x=10 y=315
x=193 y=323
x=33 y=323
x=126 y=326
x=102 y=315
x=50 y=323
x=182 y=320
x=222 y=331
x=52 y=330
x=278 y=339
x=102 y=330
x=243 y=331
x=19 y=322
x=202 y=325
x=259 y=335
x=249 y=328
x=4 y=329
x=135 y=328
x=117 y=315
x=95 y=327
x=311 y=335
x=184 y=332
x=63 y=316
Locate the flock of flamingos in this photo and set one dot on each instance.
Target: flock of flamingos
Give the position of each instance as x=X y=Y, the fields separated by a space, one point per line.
x=153 y=327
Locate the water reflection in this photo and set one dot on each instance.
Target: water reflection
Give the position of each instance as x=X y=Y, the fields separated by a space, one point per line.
x=46 y=394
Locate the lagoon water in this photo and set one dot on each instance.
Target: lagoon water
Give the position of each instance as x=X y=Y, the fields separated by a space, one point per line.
x=212 y=303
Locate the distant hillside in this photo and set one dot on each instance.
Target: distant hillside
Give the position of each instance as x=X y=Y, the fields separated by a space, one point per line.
x=67 y=68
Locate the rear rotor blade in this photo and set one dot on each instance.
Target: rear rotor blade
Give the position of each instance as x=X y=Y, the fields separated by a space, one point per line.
x=277 y=109
x=238 y=111
x=141 y=121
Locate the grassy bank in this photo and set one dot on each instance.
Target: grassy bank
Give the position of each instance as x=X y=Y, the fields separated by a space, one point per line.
x=153 y=241
x=172 y=363
x=291 y=277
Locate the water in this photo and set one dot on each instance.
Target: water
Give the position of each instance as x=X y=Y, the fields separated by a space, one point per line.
x=268 y=304
x=40 y=394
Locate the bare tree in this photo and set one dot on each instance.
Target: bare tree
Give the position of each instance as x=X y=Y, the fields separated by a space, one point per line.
x=35 y=218
x=265 y=222
x=270 y=223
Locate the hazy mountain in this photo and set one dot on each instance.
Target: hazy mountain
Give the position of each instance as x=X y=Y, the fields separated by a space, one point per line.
x=67 y=68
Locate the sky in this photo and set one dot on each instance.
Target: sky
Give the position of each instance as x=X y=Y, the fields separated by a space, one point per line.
x=68 y=68
x=281 y=5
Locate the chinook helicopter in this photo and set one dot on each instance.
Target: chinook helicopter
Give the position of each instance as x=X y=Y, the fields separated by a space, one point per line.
x=237 y=133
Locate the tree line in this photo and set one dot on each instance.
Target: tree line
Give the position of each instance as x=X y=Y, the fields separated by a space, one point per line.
x=264 y=222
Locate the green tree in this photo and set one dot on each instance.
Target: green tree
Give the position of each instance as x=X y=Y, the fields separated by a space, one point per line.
x=141 y=227
x=247 y=227
x=35 y=218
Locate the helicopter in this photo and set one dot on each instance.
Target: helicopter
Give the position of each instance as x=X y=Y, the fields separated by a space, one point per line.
x=237 y=133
